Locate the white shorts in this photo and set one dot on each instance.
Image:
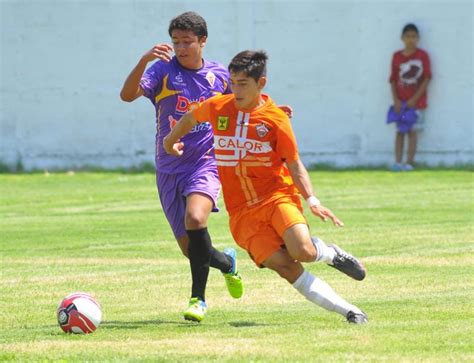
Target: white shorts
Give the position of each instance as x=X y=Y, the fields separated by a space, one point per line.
x=420 y=121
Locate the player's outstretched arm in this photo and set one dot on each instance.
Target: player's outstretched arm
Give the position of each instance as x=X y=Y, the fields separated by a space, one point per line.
x=171 y=142
x=303 y=183
x=131 y=89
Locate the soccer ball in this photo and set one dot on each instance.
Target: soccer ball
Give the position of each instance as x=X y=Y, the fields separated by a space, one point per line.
x=79 y=313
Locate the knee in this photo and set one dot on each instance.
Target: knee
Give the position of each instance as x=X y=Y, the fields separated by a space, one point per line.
x=195 y=219
x=306 y=253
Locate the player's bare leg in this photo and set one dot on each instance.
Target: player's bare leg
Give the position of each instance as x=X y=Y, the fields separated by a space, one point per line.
x=312 y=288
x=299 y=244
x=304 y=248
x=198 y=209
x=183 y=243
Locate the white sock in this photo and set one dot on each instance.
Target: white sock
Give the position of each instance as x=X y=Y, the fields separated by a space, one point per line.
x=320 y=293
x=325 y=253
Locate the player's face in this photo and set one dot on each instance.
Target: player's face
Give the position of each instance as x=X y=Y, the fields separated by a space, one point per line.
x=188 y=48
x=246 y=90
x=410 y=39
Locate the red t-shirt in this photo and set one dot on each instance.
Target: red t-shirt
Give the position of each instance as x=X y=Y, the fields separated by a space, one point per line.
x=409 y=72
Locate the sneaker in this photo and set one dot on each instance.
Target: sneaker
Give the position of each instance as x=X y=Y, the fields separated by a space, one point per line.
x=397 y=167
x=357 y=318
x=232 y=278
x=348 y=264
x=407 y=167
x=196 y=310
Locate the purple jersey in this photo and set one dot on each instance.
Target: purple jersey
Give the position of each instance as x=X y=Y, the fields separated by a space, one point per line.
x=173 y=89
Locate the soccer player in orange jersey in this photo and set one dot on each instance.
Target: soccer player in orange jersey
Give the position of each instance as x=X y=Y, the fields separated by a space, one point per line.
x=262 y=178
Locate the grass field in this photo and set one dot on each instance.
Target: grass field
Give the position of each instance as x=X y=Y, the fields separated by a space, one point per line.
x=105 y=233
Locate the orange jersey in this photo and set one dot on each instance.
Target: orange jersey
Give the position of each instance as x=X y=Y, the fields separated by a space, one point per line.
x=251 y=149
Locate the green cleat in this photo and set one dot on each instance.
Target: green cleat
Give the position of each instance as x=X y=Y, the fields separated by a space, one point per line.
x=232 y=279
x=196 y=310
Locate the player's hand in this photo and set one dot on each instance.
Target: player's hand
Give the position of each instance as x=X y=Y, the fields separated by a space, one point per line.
x=397 y=105
x=325 y=213
x=286 y=109
x=159 y=51
x=176 y=148
x=411 y=103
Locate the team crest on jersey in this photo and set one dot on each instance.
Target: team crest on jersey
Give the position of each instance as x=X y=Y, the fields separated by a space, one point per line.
x=262 y=130
x=211 y=78
x=222 y=123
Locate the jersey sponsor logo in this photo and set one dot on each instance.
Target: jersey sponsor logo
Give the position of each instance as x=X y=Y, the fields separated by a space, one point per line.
x=204 y=126
x=222 y=123
x=237 y=143
x=184 y=104
x=211 y=78
x=262 y=130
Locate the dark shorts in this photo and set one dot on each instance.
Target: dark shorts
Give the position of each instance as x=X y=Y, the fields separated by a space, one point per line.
x=174 y=188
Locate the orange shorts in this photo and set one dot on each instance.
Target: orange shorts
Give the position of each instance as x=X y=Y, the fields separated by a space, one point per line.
x=259 y=230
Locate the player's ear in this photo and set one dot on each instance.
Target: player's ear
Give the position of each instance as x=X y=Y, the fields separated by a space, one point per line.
x=262 y=81
x=202 y=41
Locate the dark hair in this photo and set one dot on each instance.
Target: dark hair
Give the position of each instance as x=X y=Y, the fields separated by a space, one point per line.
x=410 y=28
x=252 y=63
x=189 y=21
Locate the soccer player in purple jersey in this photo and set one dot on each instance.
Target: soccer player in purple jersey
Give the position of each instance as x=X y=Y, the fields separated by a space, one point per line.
x=188 y=187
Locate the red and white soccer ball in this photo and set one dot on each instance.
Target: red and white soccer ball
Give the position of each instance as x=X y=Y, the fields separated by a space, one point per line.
x=79 y=313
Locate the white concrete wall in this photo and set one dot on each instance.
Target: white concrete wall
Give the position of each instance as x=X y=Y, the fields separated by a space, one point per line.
x=63 y=64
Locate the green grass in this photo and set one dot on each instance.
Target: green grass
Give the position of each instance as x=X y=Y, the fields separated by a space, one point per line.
x=106 y=234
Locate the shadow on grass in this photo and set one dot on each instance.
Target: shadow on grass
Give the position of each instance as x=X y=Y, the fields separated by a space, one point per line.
x=183 y=324
x=247 y=324
x=113 y=324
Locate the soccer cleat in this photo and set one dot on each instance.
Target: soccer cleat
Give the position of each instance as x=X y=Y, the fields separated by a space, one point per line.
x=408 y=167
x=348 y=264
x=232 y=278
x=196 y=310
x=357 y=318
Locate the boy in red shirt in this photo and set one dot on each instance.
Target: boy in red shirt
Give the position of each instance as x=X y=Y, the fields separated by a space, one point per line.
x=262 y=179
x=409 y=78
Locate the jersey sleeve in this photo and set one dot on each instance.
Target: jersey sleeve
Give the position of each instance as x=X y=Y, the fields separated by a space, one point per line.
x=426 y=66
x=151 y=81
x=286 y=146
x=202 y=112
x=394 y=69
